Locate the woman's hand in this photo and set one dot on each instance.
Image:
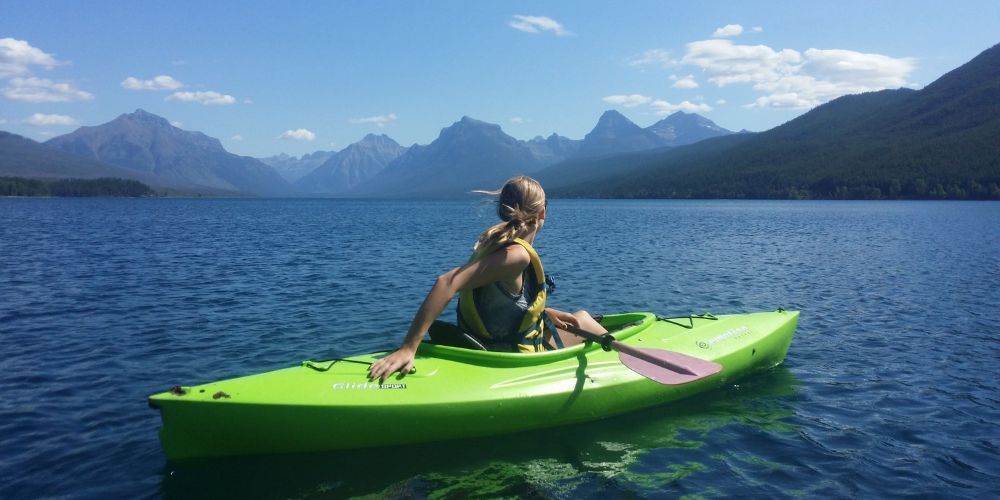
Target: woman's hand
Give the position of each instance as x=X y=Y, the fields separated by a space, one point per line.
x=561 y=318
x=400 y=361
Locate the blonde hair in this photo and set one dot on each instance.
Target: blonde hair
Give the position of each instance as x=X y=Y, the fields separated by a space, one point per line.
x=519 y=205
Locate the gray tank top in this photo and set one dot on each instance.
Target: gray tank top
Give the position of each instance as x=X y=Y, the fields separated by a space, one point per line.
x=500 y=310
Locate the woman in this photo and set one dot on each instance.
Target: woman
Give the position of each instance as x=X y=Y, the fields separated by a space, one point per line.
x=502 y=287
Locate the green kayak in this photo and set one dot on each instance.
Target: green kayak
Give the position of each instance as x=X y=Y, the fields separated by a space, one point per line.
x=459 y=393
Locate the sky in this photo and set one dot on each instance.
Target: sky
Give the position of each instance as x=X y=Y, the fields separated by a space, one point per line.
x=296 y=77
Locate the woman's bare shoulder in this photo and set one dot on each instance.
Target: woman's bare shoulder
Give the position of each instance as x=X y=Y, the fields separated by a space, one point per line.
x=516 y=254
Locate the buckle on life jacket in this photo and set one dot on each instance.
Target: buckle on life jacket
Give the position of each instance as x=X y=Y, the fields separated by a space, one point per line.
x=522 y=337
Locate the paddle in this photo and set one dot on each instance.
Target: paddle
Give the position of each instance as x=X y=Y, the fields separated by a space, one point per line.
x=665 y=367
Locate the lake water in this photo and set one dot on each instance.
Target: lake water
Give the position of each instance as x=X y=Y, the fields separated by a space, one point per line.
x=890 y=388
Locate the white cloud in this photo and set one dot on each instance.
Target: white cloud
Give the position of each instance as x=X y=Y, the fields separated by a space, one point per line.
x=380 y=120
x=236 y=138
x=518 y=120
x=688 y=82
x=299 y=134
x=178 y=62
x=657 y=57
x=628 y=101
x=42 y=120
x=727 y=63
x=34 y=89
x=17 y=56
x=757 y=29
x=786 y=100
x=661 y=107
x=866 y=70
x=247 y=101
x=790 y=79
x=209 y=98
x=177 y=124
x=720 y=102
x=537 y=24
x=728 y=30
x=159 y=82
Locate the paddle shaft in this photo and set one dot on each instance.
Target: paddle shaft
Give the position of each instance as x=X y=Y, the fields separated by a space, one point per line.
x=609 y=342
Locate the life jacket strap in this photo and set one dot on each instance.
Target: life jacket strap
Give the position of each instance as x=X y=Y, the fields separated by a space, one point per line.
x=552 y=328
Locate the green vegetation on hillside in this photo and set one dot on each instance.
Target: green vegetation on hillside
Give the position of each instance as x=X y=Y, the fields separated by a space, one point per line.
x=936 y=143
x=20 y=186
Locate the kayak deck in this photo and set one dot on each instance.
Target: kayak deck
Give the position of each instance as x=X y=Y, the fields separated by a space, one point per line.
x=458 y=392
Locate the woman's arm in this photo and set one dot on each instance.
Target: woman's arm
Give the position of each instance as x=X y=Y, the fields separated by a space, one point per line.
x=500 y=265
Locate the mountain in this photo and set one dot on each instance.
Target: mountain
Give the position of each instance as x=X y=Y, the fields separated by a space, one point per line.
x=683 y=128
x=617 y=137
x=292 y=168
x=470 y=154
x=145 y=142
x=938 y=142
x=353 y=166
x=616 y=134
x=22 y=157
x=553 y=149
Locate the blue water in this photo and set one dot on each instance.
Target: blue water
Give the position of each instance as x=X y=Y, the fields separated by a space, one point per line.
x=890 y=388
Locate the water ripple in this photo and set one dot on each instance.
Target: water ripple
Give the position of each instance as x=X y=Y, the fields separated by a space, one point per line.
x=890 y=388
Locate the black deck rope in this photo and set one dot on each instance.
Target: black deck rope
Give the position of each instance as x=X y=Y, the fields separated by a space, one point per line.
x=314 y=366
x=690 y=318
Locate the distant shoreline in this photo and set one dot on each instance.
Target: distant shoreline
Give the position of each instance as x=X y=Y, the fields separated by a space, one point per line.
x=321 y=198
x=108 y=187
x=112 y=187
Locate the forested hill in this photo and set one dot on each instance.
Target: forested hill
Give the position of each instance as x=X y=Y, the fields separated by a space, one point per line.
x=105 y=187
x=940 y=142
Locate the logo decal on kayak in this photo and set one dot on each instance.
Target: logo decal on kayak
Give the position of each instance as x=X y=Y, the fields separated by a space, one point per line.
x=365 y=385
x=727 y=335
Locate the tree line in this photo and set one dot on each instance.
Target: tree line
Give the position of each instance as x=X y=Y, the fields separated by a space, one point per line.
x=104 y=186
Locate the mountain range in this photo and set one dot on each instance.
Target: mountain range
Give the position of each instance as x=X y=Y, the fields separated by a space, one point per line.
x=467 y=155
x=937 y=142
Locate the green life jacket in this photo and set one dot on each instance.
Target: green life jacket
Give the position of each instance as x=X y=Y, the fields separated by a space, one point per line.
x=529 y=337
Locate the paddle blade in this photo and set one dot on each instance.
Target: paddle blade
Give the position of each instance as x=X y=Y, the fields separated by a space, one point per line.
x=668 y=367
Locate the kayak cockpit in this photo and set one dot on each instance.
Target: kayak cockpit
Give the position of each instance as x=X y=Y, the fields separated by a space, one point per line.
x=622 y=326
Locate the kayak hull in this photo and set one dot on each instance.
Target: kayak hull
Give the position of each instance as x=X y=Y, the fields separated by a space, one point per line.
x=458 y=393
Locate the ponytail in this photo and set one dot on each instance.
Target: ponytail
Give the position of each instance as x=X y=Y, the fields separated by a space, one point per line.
x=519 y=205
